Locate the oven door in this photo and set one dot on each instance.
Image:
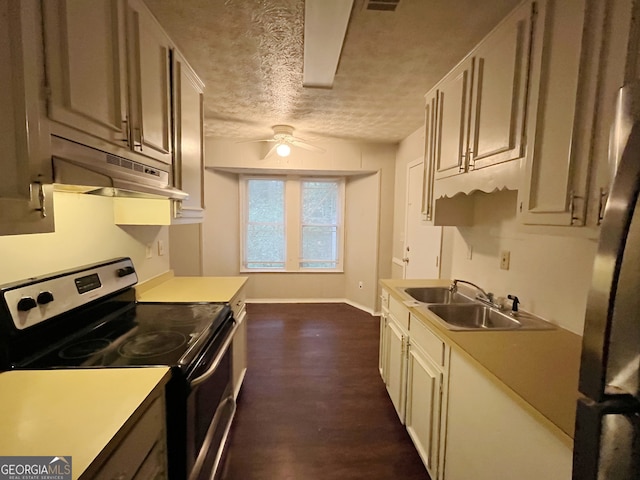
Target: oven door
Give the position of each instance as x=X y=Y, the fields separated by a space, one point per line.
x=210 y=406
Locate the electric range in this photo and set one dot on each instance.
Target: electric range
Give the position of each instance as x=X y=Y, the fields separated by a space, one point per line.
x=87 y=317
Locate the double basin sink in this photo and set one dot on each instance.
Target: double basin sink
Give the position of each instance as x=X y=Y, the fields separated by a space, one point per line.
x=457 y=311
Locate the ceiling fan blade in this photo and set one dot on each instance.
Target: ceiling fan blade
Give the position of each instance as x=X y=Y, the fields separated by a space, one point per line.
x=296 y=142
x=270 y=152
x=256 y=141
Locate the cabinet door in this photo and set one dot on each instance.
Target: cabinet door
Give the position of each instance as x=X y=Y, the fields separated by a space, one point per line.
x=491 y=434
x=86 y=67
x=424 y=393
x=240 y=352
x=396 y=377
x=453 y=121
x=149 y=70
x=188 y=164
x=25 y=164
x=499 y=91
x=382 y=351
x=430 y=144
x=565 y=63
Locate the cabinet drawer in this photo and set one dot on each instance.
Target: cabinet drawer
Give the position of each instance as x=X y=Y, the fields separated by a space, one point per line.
x=399 y=312
x=132 y=451
x=422 y=337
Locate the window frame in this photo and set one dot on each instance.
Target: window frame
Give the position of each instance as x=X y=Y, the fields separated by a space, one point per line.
x=293 y=223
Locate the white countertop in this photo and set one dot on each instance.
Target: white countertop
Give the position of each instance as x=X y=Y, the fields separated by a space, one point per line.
x=71 y=412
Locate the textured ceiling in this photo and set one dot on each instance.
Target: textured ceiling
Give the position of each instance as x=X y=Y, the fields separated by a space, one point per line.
x=249 y=54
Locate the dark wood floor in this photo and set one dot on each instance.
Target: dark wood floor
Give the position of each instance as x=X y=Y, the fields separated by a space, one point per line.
x=313 y=405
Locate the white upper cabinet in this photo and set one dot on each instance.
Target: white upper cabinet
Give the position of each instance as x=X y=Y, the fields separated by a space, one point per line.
x=26 y=201
x=86 y=67
x=189 y=146
x=481 y=112
x=150 y=83
x=453 y=97
x=582 y=67
x=553 y=182
x=501 y=66
x=108 y=74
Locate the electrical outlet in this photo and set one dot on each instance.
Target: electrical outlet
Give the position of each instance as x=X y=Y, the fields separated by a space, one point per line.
x=505 y=257
x=149 y=250
x=160 y=247
x=360 y=284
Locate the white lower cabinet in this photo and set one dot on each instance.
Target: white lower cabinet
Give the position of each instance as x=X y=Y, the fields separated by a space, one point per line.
x=492 y=435
x=142 y=453
x=384 y=318
x=396 y=378
x=424 y=399
x=414 y=363
x=239 y=346
x=464 y=423
x=382 y=352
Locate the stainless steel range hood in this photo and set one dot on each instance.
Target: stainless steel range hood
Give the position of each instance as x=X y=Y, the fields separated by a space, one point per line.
x=82 y=169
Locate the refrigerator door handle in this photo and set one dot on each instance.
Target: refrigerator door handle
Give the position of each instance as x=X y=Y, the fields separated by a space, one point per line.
x=607 y=440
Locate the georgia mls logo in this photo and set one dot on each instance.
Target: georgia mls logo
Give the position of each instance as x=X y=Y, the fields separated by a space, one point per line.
x=35 y=468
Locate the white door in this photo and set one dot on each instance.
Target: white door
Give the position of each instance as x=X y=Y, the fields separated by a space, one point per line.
x=422 y=240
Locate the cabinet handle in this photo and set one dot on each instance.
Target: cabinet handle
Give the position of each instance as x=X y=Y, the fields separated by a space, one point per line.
x=41 y=200
x=127 y=132
x=137 y=138
x=602 y=203
x=572 y=208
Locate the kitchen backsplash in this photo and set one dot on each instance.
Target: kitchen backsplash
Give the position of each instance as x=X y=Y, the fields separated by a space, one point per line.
x=551 y=274
x=85 y=233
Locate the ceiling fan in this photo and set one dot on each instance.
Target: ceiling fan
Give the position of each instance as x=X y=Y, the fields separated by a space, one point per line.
x=284 y=140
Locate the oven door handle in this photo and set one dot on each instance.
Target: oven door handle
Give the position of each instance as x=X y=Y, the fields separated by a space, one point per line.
x=212 y=368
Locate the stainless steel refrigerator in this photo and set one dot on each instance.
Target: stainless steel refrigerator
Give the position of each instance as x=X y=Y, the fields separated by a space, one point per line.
x=607 y=437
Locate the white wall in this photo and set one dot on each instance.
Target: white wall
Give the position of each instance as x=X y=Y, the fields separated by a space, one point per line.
x=550 y=273
x=85 y=233
x=368 y=222
x=361 y=243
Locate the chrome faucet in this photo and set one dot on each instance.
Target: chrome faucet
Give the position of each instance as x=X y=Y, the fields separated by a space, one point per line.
x=481 y=295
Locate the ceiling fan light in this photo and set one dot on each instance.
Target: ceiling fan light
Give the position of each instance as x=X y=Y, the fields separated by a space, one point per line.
x=283 y=150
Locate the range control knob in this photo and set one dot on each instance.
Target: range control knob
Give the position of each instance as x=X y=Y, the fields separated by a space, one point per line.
x=26 y=303
x=123 y=272
x=44 y=298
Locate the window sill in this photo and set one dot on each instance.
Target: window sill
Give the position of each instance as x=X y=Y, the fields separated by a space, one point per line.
x=308 y=270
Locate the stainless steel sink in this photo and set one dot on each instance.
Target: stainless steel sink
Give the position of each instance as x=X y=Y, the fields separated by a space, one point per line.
x=475 y=316
x=436 y=295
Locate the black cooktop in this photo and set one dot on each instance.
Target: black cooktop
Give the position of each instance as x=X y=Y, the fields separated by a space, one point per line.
x=141 y=334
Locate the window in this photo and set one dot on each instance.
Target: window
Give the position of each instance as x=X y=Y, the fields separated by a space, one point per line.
x=292 y=223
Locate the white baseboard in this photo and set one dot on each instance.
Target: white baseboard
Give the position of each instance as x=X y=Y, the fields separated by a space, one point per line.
x=314 y=300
